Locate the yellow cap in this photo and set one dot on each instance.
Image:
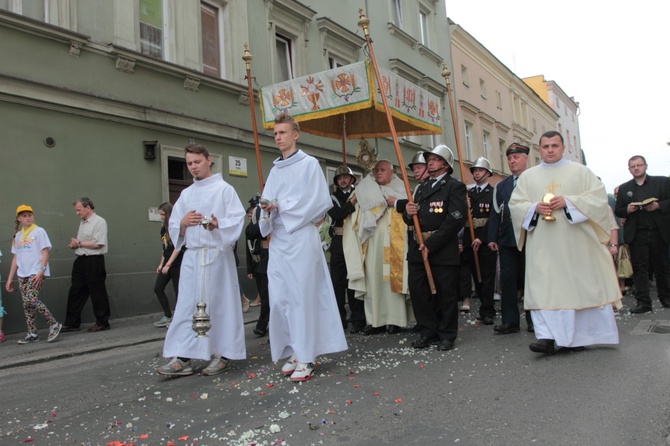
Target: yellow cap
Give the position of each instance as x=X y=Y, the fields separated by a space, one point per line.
x=23 y=208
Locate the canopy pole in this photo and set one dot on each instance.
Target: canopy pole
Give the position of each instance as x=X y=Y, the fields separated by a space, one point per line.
x=344 y=139
x=247 y=57
x=445 y=74
x=363 y=22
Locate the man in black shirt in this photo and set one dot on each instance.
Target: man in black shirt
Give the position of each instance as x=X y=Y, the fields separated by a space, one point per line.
x=644 y=202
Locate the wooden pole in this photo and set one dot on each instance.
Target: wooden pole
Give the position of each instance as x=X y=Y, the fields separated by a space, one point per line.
x=445 y=74
x=344 y=139
x=363 y=22
x=247 y=57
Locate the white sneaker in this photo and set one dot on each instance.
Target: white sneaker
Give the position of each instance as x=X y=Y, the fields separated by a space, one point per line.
x=54 y=331
x=496 y=297
x=290 y=366
x=30 y=338
x=176 y=367
x=164 y=321
x=217 y=366
x=303 y=372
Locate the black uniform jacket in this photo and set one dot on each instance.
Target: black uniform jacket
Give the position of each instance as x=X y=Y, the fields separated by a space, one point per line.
x=253 y=234
x=442 y=212
x=629 y=192
x=342 y=208
x=481 y=206
x=500 y=224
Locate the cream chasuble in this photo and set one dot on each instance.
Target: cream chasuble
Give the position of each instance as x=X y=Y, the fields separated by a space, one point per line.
x=567 y=265
x=375 y=247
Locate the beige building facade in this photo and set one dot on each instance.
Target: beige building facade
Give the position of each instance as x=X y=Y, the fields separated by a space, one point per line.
x=494 y=107
x=568 y=114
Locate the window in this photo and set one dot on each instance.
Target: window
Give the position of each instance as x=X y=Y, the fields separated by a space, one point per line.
x=211 y=51
x=502 y=146
x=288 y=22
x=498 y=100
x=482 y=88
x=486 y=146
x=568 y=139
x=464 y=76
x=468 y=141
x=534 y=126
x=397 y=12
x=340 y=46
x=284 y=66
x=424 y=28
x=151 y=28
x=333 y=62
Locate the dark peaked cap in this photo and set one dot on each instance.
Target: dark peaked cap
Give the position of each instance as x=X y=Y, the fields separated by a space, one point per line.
x=515 y=147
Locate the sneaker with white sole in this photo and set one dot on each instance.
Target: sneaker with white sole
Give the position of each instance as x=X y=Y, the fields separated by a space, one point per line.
x=218 y=365
x=290 y=366
x=54 y=331
x=163 y=322
x=176 y=367
x=303 y=372
x=29 y=339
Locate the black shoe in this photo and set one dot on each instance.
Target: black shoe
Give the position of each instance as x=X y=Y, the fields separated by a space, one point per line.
x=543 y=346
x=506 y=328
x=68 y=328
x=531 y=328
x=416 y=329
x=574 y=349
x=640 y=309
x=392 y=329
x=486 y=320
x=424 y=342
x=445 y=345
x=259 y=332
x=356 y=329
x=370 y=330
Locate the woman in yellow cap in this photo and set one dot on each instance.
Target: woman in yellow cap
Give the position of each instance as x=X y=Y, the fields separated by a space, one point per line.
x=30 y=263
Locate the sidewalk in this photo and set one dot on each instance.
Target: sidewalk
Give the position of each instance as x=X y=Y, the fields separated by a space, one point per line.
x=125 y=332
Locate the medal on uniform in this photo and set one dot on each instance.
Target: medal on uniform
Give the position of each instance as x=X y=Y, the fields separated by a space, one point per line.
x=431 y=207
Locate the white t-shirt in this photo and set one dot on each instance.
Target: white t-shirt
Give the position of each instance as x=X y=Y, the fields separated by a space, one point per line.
x=29 y=252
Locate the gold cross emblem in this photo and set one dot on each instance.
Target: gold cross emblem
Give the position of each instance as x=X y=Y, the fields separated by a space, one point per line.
x=551 y=187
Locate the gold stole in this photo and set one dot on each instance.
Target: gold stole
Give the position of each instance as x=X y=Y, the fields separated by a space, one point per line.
x=396 y=250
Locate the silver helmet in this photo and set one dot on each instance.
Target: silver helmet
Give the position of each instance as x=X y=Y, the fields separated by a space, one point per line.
x=344 y=170
x=446 y=154
x=417 y=159
x=482 y=163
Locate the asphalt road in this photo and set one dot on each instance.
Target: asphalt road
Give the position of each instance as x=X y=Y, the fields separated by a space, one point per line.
x=490 y=390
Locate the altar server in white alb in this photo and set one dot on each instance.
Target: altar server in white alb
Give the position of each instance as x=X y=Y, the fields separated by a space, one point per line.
x=560 y=212
x=304 y=319
x=207 y=218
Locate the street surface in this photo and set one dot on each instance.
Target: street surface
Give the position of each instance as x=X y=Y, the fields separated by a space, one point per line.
x=490 y=390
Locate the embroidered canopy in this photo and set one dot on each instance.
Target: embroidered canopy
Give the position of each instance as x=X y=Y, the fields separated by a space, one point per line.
x=324 y=103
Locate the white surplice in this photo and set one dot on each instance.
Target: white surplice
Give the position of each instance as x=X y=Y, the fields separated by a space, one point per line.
x=304 y=319
x=208 y=270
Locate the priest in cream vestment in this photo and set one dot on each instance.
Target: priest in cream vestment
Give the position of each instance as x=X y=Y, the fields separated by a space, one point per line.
x=375 y=247
x=560 y=213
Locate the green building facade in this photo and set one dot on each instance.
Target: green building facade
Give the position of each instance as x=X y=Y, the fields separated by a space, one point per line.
x=99 y=97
